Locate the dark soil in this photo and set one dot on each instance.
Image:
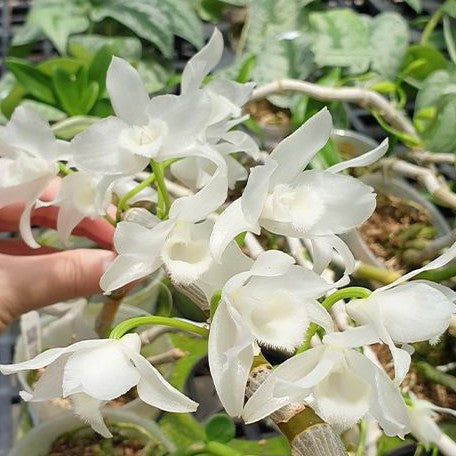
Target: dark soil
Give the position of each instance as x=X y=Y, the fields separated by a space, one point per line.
x=86 y=442
x=396 y=228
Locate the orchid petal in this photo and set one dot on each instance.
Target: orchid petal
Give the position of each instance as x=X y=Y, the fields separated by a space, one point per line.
x=233 y=261
x=238 y=94
x=387 y=405
x=86 y=371
x=414 y=312
x=98 y=149
x=352 y=337
x=229 y=224
x=202 y=63
x=136 y=240
x=242 y=142
x=67 y=220
x=186 y=117
x=49 y=385
x=154 y=390
x=231 y=351
x=236 y=172
x=88 y=409
x=439 y=262
x=272 y=263
x=186 y=253
x=342 y=398
x=197 y=207
x=48 y=357
x=256 y=190
x=126 y=269
x=28 y=131
x=294 y=152
x=338 y=216
x=286 y=384
x=127 y=92
x=363 y=160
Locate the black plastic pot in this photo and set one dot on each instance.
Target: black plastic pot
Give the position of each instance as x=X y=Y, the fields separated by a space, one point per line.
x=406 y=450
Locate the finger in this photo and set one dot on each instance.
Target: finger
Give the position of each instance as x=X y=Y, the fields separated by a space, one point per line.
x=36 y=281
x=19 y=247
x=98 y=230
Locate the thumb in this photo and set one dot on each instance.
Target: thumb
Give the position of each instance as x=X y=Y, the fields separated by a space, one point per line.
x=37 y=281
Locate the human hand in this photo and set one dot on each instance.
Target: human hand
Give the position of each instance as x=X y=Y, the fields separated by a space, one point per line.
x=33 y=278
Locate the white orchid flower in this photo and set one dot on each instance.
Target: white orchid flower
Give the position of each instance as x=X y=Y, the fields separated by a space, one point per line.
x=401 y=313
x=315 y=204
x=91 y=372
x=28 y=162
x=181 y=247
x=233 y=262
x=226 y=97
x=196 y=172
x=272 y=303
x=160 y=128
x=80 y=195
x=341 y=385
x=422 y=416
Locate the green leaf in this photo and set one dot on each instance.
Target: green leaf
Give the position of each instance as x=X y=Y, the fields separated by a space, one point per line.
x=67 y=64
x=56 y=20
x=33 y=80
x=417 y=5
x=186 y=23
x=449 y=8
x=438 y=95
x=75 y=93
x=246 y=69
x=280 y=51
x=68 y=128
x=420 y=61
x=50 y=113
x=149 y=20
x=12 y=100
x=85 y=46
x=389 y=42
x=28 y=33
x=340 y=39
x=220 y=428
x=164 y=302
x=449 y=38
x=210 y=10
x=99 y=67
x=67 y=91
x=90 y=96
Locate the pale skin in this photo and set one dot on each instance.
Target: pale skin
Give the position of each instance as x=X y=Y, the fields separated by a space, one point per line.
x=34 y=278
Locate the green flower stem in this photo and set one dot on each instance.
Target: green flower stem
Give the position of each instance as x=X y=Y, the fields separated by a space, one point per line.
x=109 y=219
x=362 y=438
x=122 y=328
x=437 y=275
x=122 y=206
x=164 y=203
x=63 y=169
x=431 y=25
x=345 y=293
x=436 y=376
x=366 y=271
